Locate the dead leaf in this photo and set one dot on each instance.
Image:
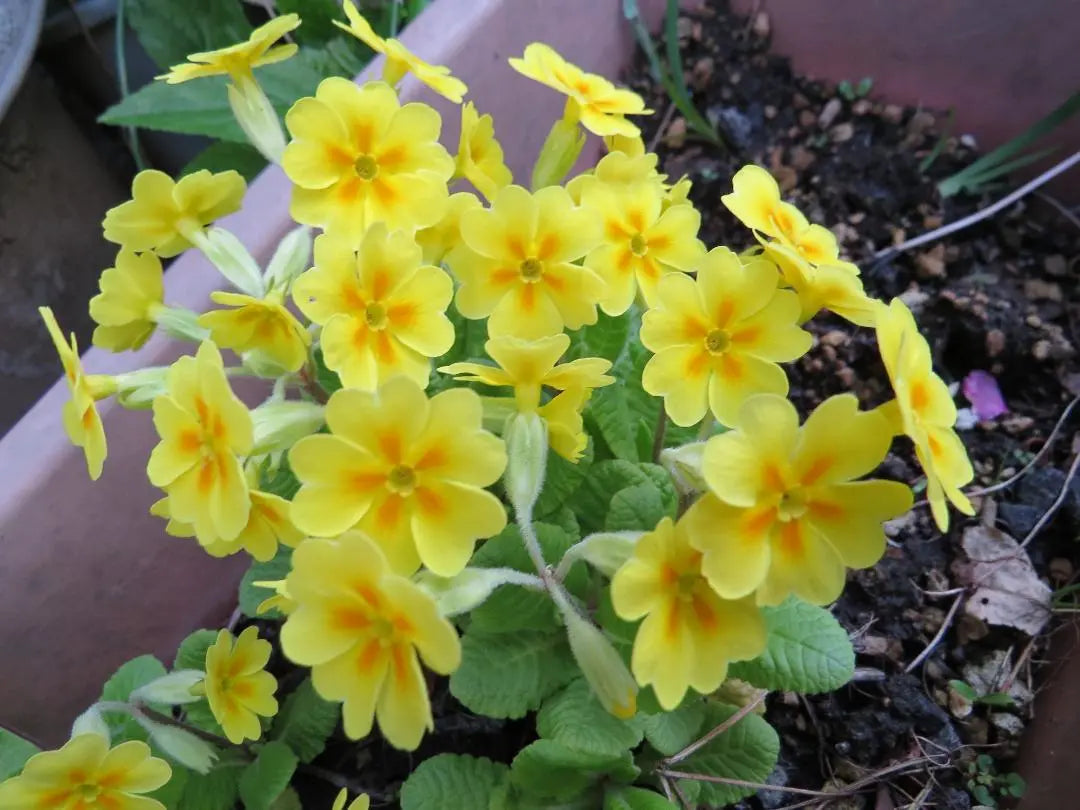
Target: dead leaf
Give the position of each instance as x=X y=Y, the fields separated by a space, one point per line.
x=1007 y=589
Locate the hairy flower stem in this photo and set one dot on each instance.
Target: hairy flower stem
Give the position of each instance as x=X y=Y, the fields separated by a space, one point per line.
x=658 y=436
x=140 y=709
x=536 y=554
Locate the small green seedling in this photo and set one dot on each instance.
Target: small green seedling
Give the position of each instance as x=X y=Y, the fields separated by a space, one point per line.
x=967 y=692
x=849 y=92
x=987 y=786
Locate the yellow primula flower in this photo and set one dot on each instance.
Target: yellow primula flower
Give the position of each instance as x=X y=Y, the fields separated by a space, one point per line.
x=592 y=99
x=438 y=241
x=237 y=61
x=756 y=202
x=530 y=366
x=835 y=286
x=203 y=428
x=631 y=145
x=689 y=634
x=718 y=338
x=82 y=423
x=924 y=410
x=363 y=630
x=258 y=324
x=619 y=172
x=382 y=311
x=784 y=514
x=641 y=241
x=479 y=156
x=358 y=157
x=86 y=774
x=361 y=802
x=268 y=525
x=132 y=294
x=237 y=685
x=520 y=269
x=400 y=60
x=163 y=214
x=407 y=470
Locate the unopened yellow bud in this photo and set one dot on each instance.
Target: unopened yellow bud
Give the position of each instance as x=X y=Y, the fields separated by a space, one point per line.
x=602 y=666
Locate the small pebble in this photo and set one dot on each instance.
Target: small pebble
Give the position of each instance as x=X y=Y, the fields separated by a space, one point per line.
x=893 y=113
x=842 y=132
x=762 y=25
x=829 y=112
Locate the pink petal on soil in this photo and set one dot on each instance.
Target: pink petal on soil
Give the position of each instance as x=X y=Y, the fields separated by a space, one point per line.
x=981 y=390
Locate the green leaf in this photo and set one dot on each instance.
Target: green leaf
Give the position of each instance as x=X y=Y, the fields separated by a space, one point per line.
x=328 y=380
x=171 y=793
x=609 y=410
x=133 y=674
x=217 y=790
x=14 y=751
x=191 y=654
x=201 y=107
x=633 y=798
x=606 y=338
x=747 y=751
x=288 y=800
x=169 y=30
x=670 y=732
x=280 y=481
x=454 y=782
x=306 y=721
x=576 y=719
x=807 y=651
x=511 y=607
x=549 y=770
x=224 y=155
x=265 y=778
x=639 y=508
x=508 y=675
x=591 y=501
x=561 y=480
x=250 y=594
x=317 y=15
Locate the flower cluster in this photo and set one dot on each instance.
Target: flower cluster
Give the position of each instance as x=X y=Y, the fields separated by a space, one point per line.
x=389 y=446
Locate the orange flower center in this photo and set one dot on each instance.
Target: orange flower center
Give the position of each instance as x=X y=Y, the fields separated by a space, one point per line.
x=792 y=505
x=717 y=341
x=687 y=584
x=366 y=167
x=638 y=245
x=531 y=270
x=375 y=316
x=401 y=480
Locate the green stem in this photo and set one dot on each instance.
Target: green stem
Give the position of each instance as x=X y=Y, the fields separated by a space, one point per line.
x=658 y=435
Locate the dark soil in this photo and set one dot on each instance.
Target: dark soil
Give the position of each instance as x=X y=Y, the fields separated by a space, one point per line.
x=1000 y=296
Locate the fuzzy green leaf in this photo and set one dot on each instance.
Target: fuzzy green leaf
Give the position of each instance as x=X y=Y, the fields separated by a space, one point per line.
x=606 y=338
x=670 y=732
x=306 y=721
x=747 y=751
x=252 y=595
x=636 y=508
x=169 y=30
x=609 y=411
x=14 y=751
x=223 y=155
x=191 y=654
x=133 y=674
x=454 y=782
x=217 y=790
x=562 y=480
x=633 y=798
x=171 y=793
x=591 y=501
x=510 y=674
x=265 y=778
x=807 y=651
x=511 y=607
x=576 y=719
x=547 y=769
x=318 y=19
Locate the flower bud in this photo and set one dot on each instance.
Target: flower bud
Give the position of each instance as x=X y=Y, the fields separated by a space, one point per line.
x=526 y=460
x=137 y=390
x=602 y=666
x=231 y=258
x=279 y=425
x=467 y=590
x=258 y=118
x=684 y=465
x=292 y=257
x=604 y=551
x=180 y=323
x=180 y=745
x=561 y=148
x=91 y=722
x=173 y=689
